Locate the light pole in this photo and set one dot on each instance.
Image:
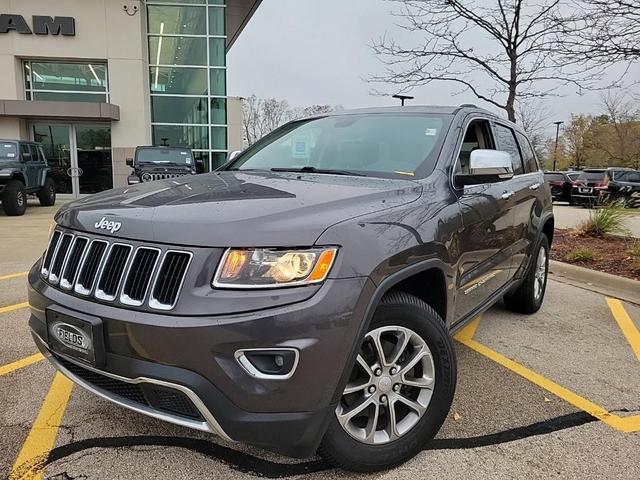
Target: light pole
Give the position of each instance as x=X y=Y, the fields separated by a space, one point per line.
x=555 y=151
x=402 y=98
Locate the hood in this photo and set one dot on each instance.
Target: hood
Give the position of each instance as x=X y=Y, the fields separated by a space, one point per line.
x=240 y=209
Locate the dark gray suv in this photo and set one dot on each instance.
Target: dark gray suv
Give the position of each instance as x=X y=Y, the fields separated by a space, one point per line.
x=302 y=298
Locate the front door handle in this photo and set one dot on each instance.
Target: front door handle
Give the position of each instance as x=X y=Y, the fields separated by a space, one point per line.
x=507 y=195
x=535 y=186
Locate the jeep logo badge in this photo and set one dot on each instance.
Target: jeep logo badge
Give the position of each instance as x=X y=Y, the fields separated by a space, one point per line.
x=70 y=336
x=108 y=225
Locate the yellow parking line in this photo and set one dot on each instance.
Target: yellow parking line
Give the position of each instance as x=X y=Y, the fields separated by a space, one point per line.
x=624 y=424
x=11 y=308
x=42 y=437
x=13 y=275
x=25 y=362
x=625 y=323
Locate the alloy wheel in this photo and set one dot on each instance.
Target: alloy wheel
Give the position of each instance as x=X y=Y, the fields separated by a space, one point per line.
x=19 y=199
x=540 y=274
x=390 y=387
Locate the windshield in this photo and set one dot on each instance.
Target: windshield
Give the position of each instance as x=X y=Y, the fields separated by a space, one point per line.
x=554 y=177
x=8 y=151
x=627 y=176
x=573 y=176
x=164 y=156
x=591 y=176
x=366 y=144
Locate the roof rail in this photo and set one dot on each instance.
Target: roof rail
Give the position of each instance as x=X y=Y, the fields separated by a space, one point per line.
x=468 y=105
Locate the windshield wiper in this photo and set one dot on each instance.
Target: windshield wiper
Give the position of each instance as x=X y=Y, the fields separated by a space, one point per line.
x=309 y=169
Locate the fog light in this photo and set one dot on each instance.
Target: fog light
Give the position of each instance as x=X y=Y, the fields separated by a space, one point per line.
x=269 y=363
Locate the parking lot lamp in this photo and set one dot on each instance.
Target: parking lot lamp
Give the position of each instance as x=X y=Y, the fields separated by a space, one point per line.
x=555 y=151
x=402 y=98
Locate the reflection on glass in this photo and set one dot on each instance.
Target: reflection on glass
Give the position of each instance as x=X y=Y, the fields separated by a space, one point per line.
x=94 y=159
x=177 y=51
x=216 y=21
x=55 y=143
x=218 y=82
x=166 y=109
x=66 y=76
x=219 y=111
x=178 y=80
x=181 y=136
x=218 y=138
x=217 y=52
x=177 y=20
x=217 y=160
x=69 y=97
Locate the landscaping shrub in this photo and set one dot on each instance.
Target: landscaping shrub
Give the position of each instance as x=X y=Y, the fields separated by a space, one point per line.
x=580 y=255
x=606 y=220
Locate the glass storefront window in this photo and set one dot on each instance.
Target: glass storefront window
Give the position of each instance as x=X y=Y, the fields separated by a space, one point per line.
x=217 y=52
x=216 y=21
x=63 y=81
x=177 y=51
x=218 y=81
x=165 y=109
x=218 y=138
x=177 y=20
x=181 y=136
x=179 y=80
x=218 y=159
x=219 y=111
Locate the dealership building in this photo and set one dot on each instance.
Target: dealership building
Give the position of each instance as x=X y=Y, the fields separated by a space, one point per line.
x=93 y=79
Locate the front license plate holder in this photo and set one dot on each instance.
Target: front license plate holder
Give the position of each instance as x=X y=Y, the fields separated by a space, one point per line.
x=75 y=335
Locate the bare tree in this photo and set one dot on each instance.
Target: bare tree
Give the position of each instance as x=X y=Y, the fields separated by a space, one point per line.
x=500 y=50
x=620 y=137
x=534 y=119
x=608 y=32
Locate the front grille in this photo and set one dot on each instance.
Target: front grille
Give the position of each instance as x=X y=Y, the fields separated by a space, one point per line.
x=149 y=395
x=152 y=177
x=114 y=271
x=169 y=281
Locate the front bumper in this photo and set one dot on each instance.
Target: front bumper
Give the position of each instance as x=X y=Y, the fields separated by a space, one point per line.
x=194 y=355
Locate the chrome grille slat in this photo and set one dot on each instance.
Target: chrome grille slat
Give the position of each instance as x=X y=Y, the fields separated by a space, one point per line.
x=115 y=271
x=70 y=270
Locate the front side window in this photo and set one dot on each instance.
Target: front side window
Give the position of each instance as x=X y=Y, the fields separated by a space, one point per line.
x=507 y=143
x=59 y=81
x=376 y=145
x=477 y=136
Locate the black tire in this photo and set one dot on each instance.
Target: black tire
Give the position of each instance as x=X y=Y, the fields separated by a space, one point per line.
x=14 y=199
x=47 y=194
x=523 y=299
x=342 y=450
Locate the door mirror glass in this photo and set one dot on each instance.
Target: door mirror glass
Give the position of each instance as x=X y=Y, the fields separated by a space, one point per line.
x=487 y=166
x=130 y=162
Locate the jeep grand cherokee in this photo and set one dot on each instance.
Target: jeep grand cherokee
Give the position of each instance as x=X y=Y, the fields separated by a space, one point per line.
x=302 y=298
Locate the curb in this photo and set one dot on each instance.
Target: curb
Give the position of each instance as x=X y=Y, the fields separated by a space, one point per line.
x=600 y=282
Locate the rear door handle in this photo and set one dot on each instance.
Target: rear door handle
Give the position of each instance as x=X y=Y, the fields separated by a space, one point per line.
x=507 y=195
x=535 y=186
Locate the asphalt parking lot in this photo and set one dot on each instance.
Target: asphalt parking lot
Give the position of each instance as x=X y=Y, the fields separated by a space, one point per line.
x=556 y=394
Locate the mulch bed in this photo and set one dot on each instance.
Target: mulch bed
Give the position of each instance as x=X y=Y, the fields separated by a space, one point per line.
x=611 y=254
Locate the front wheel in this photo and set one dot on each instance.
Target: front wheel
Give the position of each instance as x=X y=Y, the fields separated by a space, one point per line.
x=14 y=199
x=528 y=297
x=47 y=195
x=399 y=392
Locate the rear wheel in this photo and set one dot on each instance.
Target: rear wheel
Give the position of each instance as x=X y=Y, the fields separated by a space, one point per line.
x=528 y=297
x=399 y=392
x=14 y=198
x=47 y=195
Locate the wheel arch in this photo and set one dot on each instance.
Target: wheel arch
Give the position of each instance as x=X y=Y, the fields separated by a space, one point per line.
x=548 y=228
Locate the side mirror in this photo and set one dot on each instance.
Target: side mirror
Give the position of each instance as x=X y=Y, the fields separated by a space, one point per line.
x=487 y=166
x=129 y=162
x=233 y=155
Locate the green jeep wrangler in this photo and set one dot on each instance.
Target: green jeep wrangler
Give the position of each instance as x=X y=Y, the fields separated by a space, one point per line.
x=24 y=171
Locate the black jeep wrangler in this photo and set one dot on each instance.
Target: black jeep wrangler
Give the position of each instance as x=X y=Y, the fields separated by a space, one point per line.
x=24 y=171
x=160 y=163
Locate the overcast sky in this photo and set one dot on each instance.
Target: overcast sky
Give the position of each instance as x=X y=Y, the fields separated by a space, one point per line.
x=316 y=52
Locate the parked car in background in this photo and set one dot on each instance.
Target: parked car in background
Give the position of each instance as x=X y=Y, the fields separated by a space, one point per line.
x=24 y=171
x=586 y=188
x=621 y=185
x=561 y=184
x=160 y=163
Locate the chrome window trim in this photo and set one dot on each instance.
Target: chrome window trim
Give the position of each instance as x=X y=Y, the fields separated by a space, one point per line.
x=54 y=279
x=125 y=299
x=99 y=294
x=79 y=289
x=153 y=303
x=210 y=424
x=248 y=367
x=64 y=282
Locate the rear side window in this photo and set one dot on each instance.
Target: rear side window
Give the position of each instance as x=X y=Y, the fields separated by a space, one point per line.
x=530 y=164
x=507 y=143
x=25 y=151
x=592 y=176
x=34 y=153
x=554 y=177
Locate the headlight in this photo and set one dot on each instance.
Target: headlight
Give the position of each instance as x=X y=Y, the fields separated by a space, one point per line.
x=271 y=268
